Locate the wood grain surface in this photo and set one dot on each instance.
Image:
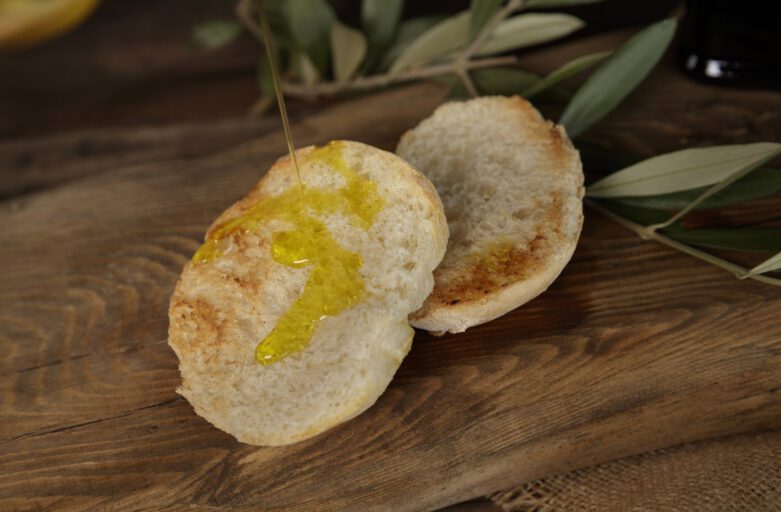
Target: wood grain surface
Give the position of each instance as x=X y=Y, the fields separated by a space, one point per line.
x=635 y=347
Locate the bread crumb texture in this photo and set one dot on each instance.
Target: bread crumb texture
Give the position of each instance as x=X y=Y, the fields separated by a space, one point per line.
x=220 y=310
x=512 y=187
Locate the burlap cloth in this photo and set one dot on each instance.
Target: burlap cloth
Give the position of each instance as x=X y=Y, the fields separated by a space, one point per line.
x=739 y=473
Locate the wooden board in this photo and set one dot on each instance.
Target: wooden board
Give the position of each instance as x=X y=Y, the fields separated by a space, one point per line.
x=635 y=347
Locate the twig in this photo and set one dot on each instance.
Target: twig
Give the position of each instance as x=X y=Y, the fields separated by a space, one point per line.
x=460 y=66
x=736 y=270
x=374 y=81
x=469 y=85
x=245 y=14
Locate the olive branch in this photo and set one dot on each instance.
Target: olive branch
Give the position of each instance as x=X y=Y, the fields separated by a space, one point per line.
x=320 y=57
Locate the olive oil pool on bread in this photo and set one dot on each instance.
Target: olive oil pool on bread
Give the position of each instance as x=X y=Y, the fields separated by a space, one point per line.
x=334 y=282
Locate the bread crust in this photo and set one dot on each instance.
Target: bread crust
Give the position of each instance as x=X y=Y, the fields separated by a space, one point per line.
x=219 y=311
x=506 y=272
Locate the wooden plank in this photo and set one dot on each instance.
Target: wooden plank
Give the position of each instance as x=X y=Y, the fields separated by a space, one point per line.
x=635 y=347
x=36 y=163
x=129 y=64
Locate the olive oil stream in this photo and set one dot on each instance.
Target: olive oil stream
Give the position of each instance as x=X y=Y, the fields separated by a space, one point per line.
x=268 y=42
x=334 y=282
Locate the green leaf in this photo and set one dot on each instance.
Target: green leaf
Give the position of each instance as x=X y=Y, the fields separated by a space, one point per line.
x=380 y=19
x=310 y=25
x=547 y=4
x=529 y=29
x=638 y=215
x=769 y=265
x=409 y=31
x=215 y=33
x=617 y=77
x=277 y=22
x=482 y=11
x=510 y=81
x=304 y=69
x=504 y=81
x=733 y=239
x=348 y=48
x=758 y=184
x=456 y=89
x=438 y=41
x=566 y=71
x=684 y=170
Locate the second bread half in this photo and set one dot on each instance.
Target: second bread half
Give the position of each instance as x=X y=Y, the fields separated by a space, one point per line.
x=512 y=187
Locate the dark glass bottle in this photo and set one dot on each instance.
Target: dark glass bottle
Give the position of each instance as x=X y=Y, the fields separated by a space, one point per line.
x=733 y=42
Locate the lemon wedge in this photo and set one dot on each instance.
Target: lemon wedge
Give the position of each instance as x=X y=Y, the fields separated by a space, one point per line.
x=25 y=23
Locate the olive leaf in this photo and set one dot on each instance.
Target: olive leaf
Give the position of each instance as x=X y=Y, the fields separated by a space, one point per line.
x=684 y=170
x=408 y=32
x=348 y=48
x=380 y=19
x=547 y=4
x=273 y=12
x=310 y=26
x=456 y=89
x=529 y=29
x=482 y=11
x=504 y=81
x=215 y=33
x=760 y=183
x=566 y=71
x=617 y=77
x=304 y=68
x=441 y=39
x=733 y=239
x=637 y=214
x=769 y=265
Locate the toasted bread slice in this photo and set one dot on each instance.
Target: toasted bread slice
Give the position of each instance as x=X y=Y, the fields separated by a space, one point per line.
x=222 y=309
x=512 y=186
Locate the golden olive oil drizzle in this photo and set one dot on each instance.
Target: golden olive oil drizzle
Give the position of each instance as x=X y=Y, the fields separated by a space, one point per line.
x=334 y=283
x=268 y=42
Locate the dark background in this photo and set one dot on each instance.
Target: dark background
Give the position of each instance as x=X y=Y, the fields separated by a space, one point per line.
x=130 y=63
